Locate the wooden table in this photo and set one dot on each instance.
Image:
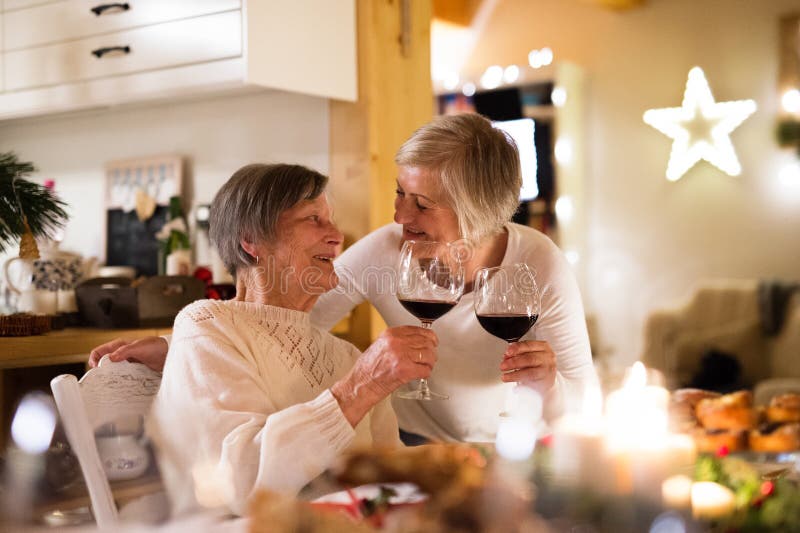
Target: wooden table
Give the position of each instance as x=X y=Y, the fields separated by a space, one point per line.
x=28 y=363
x=71 y=345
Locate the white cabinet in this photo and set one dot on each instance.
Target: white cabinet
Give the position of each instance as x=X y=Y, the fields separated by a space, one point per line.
x=61 y=56
x=62 y=21
x=9 y=5
x=182 y=42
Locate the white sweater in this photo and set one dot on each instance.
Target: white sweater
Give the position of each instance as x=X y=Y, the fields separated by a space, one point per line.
x=468 y=369
x=245 y=403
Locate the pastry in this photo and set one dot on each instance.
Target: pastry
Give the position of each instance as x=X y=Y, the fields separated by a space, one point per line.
x=713 y=440
x=784 y=408
x=732 y=411
x=775 y=438
x=682 y=405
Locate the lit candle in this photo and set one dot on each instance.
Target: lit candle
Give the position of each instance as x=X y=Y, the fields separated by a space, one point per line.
x=637 y=440
x=676 y=492
x=711 y=500
x=637 y=413
x=578 y=444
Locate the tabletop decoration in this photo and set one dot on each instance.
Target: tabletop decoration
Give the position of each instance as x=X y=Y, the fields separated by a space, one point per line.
x=758 y=504
x=27 y=209
x=700 y=128
x=626 y=447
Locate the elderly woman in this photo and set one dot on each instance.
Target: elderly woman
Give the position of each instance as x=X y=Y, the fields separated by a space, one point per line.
x=253 y=395
x=459 y=178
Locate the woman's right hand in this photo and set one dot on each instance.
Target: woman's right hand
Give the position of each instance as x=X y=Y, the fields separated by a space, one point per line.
x=150 y=351
x=397 y=356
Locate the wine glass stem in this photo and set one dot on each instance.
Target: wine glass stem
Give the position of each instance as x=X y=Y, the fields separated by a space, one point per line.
x=423 y=383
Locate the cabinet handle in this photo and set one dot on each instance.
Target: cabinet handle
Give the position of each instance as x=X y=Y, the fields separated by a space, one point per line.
x=100 y=52
x=102 y=8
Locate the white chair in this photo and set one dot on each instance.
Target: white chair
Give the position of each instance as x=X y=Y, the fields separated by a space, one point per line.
x=110 y=392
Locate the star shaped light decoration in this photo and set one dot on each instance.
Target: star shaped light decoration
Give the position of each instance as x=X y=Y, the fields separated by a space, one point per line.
x=700 y=128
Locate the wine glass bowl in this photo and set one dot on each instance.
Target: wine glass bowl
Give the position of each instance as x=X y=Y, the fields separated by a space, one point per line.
x=430 y=283
x=507 y=301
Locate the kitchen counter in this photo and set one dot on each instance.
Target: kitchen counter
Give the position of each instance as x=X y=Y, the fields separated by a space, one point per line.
x=71 y=345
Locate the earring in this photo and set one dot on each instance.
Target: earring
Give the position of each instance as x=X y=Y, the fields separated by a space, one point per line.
x=257 y=259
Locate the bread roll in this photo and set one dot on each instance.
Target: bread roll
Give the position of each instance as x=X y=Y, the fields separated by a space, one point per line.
x=711 y=441
x=775 y=438
x=784 y=408
x=682 y=405
x=731 y=411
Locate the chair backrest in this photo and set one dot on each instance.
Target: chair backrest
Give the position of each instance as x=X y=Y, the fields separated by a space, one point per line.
x=104 y=394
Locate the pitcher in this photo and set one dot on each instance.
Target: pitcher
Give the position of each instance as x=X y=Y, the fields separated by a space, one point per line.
x=55 y=272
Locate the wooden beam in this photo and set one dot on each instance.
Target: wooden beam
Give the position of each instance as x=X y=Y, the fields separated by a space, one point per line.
x=619 y=5
x=395 y=98
x=460 y=12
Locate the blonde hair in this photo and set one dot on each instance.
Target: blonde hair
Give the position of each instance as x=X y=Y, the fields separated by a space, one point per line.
x=478 y=168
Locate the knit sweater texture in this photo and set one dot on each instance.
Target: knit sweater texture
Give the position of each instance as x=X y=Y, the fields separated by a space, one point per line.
x=245 y=403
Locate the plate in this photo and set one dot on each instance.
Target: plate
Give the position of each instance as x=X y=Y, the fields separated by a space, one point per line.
x=772 y=465
x=406 y=493
x=783 y=458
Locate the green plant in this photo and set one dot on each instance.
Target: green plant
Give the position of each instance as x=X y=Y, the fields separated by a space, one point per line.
x=789 y=133
x=24 y=202
x=761 y=505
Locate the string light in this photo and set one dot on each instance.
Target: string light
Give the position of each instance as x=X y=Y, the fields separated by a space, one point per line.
x=563 y=151
x=546 y=56
x=558 y=96
x=791 y=101
x=565 y=208
x=450 y=81
x=511 y=74
x=492 y=78
x=700 y=128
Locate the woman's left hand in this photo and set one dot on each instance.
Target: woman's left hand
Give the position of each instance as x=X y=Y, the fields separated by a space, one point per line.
x=531 y=363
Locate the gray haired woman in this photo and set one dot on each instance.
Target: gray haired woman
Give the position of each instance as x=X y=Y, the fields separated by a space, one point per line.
x=253 y=395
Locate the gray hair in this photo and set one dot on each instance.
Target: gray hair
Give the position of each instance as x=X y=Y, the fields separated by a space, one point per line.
x=248 y=205
x=478 y=168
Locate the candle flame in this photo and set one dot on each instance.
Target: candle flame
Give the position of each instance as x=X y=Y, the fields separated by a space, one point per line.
x=637 y=378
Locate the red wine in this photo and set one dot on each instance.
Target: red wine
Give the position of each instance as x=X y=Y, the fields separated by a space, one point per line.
x=510 y=328
x=427 y=310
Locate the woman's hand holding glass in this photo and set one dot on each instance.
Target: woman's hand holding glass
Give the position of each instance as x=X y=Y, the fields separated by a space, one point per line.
x=507 y=304
x=531 y=363
x=399 y=355
x=431 y=282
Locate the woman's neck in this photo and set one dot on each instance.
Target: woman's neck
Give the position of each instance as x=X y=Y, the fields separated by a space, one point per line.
x=488 y=253
x=253 y=287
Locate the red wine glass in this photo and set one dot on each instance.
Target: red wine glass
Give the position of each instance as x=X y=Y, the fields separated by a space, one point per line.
x=507 y=301
x=430 y=283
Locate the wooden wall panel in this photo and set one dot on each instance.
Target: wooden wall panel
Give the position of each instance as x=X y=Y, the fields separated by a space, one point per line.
x=395 y=98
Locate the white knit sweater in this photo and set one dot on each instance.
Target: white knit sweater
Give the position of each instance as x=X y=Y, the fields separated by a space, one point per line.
x=245 y=403
x=468 y=368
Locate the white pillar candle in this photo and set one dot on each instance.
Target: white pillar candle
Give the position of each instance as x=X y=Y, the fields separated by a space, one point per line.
x=578 y=457
x=711 y=501
x=676 y=492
